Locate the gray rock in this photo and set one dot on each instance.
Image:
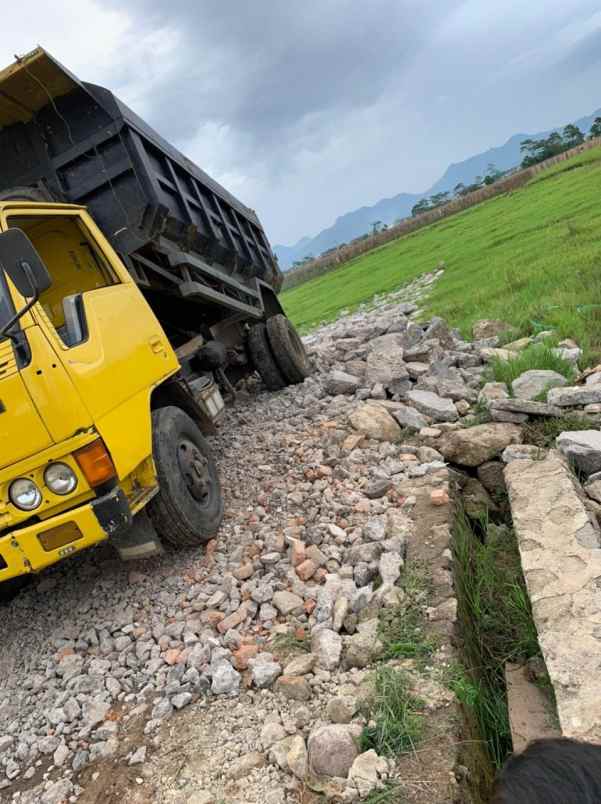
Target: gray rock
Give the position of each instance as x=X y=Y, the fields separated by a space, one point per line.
x=326 y=645
x=377 y=488
x=264 y=673
x=583 y=448
x=58 y=792
x=331 y=751
x=61 y=755
x=526 y=406
x=385 y=360
x=438 y=408
x=287 y=602
x=138 y=757
x=339 y=382
x=364 y=646
x=407 y=416
x=181 y=699
x=574 y=395
x=225 y=680
x=534 y=382
x=341 y=709
x=162 y=709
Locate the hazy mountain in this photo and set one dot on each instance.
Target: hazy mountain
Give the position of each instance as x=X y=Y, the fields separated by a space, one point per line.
x=359 y=221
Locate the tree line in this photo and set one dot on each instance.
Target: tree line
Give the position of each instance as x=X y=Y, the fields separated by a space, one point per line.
x=536 y=151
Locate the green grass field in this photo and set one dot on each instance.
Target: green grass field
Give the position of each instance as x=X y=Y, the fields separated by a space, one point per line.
x=531 y=257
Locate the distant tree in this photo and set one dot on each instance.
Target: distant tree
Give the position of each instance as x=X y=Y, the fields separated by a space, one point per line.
x=375 y=225
x=536 y=151
x=493 y=174
x=572 y=136
x=459 y=189
x=438 y=199
x=421 y=206
x=595 y=128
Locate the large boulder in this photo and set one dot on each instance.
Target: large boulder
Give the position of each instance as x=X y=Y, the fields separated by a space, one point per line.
x=437 y=407
x=583 y=448
x=534 y=382
x=476 y=445
x=375 y=422
x=332 y=751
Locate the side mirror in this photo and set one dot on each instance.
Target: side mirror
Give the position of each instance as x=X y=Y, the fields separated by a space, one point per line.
x=22 y=263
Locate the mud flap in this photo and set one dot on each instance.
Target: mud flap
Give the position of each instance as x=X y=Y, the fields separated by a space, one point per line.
x=139 y=541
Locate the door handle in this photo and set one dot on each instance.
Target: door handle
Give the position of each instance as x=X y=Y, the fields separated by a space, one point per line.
x=156 y=344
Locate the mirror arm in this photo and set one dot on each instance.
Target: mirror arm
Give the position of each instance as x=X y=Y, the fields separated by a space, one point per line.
x=12 y=321
x=4 y=331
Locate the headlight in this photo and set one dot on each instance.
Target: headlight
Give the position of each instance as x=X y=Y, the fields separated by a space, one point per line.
x=60 y=478
x=24 y=494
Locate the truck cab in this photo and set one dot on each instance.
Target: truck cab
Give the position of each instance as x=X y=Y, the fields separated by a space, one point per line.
x=77 y=375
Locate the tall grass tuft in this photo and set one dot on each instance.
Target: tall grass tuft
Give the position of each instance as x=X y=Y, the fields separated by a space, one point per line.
x=536 y=356
x=395 y=712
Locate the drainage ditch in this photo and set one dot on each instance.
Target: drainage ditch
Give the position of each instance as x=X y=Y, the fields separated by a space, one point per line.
x=496 y=631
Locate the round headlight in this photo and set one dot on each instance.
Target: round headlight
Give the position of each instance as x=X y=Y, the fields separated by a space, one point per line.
x=25 y=494
x=60 y=478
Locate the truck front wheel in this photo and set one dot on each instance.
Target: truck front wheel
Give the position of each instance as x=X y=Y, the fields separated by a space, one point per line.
x=288 y=349
x=188 y=508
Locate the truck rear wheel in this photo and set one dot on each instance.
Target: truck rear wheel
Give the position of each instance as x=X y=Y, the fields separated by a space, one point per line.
x=288 y=349
x=263 y=359
x=188 y=508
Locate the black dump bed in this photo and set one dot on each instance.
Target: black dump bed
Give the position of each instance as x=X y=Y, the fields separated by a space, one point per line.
x=180 y=233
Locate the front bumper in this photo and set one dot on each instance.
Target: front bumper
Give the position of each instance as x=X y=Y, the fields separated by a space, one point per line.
x=23 y=550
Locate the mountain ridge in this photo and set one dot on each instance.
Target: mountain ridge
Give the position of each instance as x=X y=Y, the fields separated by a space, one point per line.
x=358 y=221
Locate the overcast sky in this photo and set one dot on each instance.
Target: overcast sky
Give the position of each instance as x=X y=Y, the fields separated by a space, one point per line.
x=308 y=110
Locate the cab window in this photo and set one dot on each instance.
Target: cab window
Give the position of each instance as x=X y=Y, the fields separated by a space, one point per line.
x=75 y=264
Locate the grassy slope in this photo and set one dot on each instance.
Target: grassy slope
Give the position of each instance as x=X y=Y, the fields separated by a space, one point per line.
x=532 y=257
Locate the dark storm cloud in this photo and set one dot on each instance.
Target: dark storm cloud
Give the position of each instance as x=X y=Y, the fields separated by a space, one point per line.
x=263 y=66
x=308 y=110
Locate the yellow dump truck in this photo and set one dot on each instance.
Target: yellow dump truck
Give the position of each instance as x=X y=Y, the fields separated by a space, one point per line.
x=133 y=290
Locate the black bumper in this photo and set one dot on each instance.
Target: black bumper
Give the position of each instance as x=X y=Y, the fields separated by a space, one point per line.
x=113 y=512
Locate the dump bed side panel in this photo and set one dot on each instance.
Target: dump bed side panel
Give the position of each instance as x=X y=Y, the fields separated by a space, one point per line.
x=176 y=228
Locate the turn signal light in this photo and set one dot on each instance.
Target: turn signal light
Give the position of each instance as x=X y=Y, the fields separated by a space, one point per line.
x=95 y=463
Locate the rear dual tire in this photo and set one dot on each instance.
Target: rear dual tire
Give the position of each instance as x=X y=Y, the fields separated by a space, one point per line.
x=277 y=353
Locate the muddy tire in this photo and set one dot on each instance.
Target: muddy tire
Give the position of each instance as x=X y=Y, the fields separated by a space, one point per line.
x=263 y=359
x=288 y=349
x=23 y=194
x=188 y=508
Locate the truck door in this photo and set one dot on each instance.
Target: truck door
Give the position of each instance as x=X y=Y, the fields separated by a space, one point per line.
x=99 y=325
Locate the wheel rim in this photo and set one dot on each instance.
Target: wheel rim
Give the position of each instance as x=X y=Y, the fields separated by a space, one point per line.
x=195 y=471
